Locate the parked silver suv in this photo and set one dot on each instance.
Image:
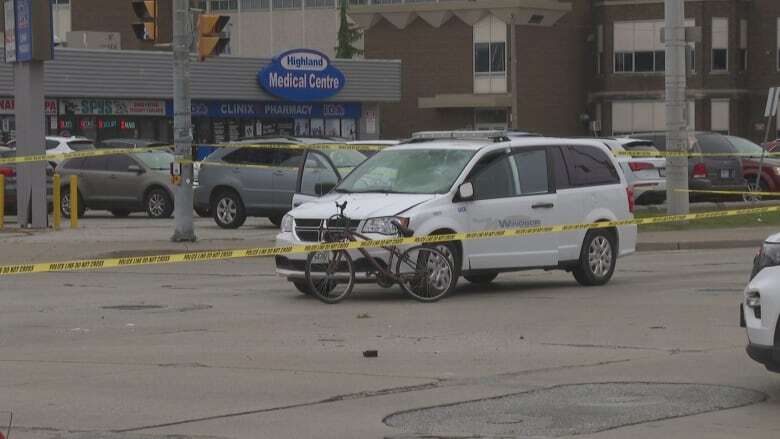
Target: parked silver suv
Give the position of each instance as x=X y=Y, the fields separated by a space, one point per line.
x=234 y=183
x=121 y=183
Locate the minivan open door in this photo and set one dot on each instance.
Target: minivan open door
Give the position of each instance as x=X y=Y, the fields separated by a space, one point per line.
x=317 y=177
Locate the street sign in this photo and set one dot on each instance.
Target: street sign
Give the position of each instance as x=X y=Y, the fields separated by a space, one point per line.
x=24 y=35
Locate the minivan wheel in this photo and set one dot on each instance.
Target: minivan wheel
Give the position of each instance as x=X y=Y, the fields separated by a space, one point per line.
x=228 y=210
x=597 y=258
x=303 y=287
x=158 y=204
x=748 y=196
x=65 y=204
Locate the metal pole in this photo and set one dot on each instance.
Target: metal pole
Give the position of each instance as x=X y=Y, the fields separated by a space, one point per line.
x=56 y=194
x=676 y=108
x=182 y=120
x=513 y=73
x=73 y=201
x=30 y=140
x=2 y=201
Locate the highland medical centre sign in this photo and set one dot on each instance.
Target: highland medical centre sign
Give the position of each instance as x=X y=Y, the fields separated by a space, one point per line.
x=301 y=75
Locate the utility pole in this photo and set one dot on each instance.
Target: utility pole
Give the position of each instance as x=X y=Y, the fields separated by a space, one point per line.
x=182 y=120
x=676 y=108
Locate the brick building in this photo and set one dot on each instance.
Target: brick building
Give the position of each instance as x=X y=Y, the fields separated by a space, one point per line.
x=577 y=61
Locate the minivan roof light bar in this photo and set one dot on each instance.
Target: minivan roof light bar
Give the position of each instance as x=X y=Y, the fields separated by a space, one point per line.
x=492 y=135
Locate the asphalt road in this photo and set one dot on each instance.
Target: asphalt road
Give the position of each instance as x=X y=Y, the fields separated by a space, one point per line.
x=226 y=349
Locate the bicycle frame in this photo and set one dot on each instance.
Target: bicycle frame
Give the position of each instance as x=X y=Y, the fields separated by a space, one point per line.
x=353 y=236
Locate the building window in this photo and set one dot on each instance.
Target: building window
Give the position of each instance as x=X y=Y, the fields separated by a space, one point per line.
x=490 y=55
x=638 y=47
x=496 y=59
x=255 y=5
x=630 y=117
x=743 y=45
x=287 y=4
x=720 y=44
x=719 y=116
x=320 y=4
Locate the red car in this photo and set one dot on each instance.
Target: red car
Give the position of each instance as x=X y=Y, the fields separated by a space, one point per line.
x=770 y=171
x=772 y=146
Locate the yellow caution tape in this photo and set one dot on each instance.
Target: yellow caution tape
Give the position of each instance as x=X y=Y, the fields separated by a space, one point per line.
x=77 y=154
x=661 y=154
x=299 y=146
x=737 y=193
x=215 y=255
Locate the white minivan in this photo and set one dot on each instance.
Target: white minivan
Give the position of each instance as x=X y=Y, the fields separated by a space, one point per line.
x=452 y=182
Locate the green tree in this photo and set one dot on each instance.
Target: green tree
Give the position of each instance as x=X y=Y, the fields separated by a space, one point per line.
x=348 y=35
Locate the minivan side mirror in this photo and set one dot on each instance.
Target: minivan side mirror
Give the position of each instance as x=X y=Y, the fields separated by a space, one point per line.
x=135 y=168
x=466 y=191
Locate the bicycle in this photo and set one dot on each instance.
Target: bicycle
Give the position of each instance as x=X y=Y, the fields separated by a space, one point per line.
x=424 y=273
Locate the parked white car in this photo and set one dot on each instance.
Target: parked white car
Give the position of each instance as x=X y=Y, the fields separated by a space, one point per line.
x=461 y=184
x=760 y=310
x=63 y=145
x=646 y=175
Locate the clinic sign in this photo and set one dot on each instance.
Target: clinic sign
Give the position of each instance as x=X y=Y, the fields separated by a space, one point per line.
x=301 y=75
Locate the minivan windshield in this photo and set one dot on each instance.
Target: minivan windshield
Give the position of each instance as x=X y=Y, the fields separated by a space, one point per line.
x=745 y=146
x=408 y=171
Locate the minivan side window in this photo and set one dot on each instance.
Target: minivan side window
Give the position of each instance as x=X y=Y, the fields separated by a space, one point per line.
x=531 y=168
x=51 y=144
x=589 y=166
x=94 y=163
x=562 y=180
x=495 y=180
x=317 y=171
x=119 y=163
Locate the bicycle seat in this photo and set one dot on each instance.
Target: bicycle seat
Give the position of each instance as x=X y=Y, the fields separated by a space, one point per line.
x=403 y=230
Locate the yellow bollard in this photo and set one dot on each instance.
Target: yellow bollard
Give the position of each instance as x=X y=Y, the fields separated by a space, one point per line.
x=74 y=202
x=56 y=210
x=2 y=201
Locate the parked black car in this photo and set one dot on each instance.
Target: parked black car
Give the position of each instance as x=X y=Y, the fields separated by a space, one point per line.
x=721 y=173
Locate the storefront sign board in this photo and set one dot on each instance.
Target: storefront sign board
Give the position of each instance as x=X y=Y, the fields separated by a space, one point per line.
x=301 y=75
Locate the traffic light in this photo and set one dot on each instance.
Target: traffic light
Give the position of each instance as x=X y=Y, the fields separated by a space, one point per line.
x=211 y=40
x=146 y=11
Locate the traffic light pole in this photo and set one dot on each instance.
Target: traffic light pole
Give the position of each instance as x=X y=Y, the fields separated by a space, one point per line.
x=182 y=121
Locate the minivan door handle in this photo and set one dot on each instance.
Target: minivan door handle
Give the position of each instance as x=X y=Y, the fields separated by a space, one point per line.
x=543 y=206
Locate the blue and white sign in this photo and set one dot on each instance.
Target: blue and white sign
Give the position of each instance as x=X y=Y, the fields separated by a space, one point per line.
x=301 y=75
x=24 y=34
x=271 y=110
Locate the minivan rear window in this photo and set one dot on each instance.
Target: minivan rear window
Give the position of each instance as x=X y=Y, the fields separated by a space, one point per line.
x=589 y=166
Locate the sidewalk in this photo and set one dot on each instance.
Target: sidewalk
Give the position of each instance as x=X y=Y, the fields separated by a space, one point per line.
x=704 y=239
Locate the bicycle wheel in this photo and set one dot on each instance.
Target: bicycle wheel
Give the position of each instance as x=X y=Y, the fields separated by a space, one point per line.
x=330 y=275
x=425 y=273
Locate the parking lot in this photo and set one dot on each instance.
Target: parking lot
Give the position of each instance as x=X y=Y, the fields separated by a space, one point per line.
x=226 y=349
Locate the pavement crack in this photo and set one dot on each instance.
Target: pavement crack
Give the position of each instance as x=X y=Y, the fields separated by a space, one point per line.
x=623 y=347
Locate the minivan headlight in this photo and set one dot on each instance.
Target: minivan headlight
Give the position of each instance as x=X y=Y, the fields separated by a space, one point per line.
x=769 y=256
x=384 y=225
x=287 y=223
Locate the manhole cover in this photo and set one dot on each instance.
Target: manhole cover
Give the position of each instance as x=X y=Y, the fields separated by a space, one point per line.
x=133 y=307
x=570 y=410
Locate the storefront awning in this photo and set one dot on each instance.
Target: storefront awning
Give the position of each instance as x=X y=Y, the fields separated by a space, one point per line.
x=436 y=13
x=466 y=101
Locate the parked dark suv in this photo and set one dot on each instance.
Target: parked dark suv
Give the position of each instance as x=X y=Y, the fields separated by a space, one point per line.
x=721 y=173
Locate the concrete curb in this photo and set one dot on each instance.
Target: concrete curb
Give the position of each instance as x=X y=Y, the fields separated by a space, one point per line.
x=697 y=245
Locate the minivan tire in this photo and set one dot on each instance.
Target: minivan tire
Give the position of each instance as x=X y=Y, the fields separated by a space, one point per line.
x=597 y=258
x=303 y=287
x=228 y=210
x=158 y=204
